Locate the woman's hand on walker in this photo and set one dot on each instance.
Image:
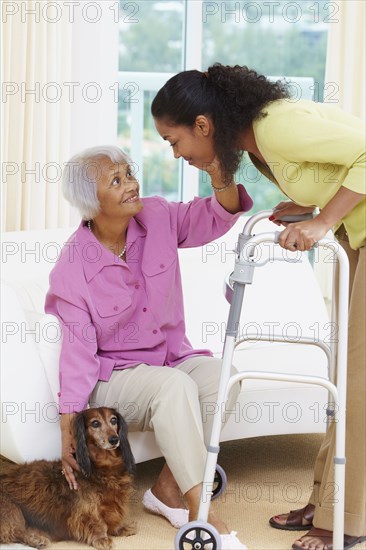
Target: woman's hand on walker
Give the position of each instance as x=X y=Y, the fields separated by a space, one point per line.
x=302 y=235
x=288 y=208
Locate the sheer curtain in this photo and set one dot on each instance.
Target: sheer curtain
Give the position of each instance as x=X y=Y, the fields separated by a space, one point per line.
x=60 y=72
x=46 y=51
x=36 y=46
x=345 y=65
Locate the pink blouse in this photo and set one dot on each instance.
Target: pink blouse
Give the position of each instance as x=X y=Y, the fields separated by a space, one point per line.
x=115 y=315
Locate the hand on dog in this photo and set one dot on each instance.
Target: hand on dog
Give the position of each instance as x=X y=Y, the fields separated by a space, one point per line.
x=69 y=463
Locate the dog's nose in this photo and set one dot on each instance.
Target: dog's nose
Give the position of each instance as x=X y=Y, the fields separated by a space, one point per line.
x=113 y=440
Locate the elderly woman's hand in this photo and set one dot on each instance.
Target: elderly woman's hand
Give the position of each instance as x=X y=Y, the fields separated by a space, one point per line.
x=216 y=173
x=288 y=208
x=69 y=463
x=303 y=235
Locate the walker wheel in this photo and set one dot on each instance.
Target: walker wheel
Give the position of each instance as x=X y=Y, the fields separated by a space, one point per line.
x=197 y=535
x=220 y=482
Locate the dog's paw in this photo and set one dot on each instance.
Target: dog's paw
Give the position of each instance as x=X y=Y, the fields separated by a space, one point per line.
x=37 y=540
x=128 y=530
x=104 y=543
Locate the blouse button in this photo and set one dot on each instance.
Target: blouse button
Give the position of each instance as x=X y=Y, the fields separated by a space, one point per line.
x=115 y=308
x=144 y=309
x=162 y=266
x=137 y=287
x=155 y=331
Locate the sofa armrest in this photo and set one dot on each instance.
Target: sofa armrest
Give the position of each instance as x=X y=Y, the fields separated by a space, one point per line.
x=29 y=414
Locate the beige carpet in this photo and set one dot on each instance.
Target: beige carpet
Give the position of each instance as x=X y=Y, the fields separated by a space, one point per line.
x=266 y=476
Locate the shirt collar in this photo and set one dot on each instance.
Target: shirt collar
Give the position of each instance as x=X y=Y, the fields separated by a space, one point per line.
x=95 y=256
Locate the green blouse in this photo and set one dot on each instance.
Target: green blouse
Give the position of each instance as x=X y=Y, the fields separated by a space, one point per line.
x=311 y=150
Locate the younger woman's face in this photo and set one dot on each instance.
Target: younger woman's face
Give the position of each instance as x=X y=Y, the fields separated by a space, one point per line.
x=194 y=144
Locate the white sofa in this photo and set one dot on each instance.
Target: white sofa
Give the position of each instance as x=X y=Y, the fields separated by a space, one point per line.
x=284 y=296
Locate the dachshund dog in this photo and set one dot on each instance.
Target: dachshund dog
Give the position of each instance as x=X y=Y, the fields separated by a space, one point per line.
x=38 y=506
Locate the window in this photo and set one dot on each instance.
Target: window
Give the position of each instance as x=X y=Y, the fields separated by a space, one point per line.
x=162 y=37
x=151 y=51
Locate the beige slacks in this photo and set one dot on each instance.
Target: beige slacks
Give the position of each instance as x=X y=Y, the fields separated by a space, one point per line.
x=324 y=492
x=178 y=404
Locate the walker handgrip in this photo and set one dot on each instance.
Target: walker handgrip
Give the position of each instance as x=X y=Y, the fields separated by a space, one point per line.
x=297 y=218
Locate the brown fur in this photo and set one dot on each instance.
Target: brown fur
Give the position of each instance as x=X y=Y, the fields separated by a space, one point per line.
x=38 y=506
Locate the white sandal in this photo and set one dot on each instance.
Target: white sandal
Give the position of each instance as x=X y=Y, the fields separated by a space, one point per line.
x=177 y=516
x=228 y=541
x=231 y=542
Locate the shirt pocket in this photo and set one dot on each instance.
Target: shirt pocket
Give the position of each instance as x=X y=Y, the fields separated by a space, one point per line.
x=113 y=306
x=160 y=275
x=113 y=316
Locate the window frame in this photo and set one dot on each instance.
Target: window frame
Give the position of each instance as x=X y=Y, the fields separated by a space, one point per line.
x=153 y=81
x=139 y=82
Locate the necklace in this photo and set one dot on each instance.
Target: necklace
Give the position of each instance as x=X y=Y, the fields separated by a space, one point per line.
x=124 y=248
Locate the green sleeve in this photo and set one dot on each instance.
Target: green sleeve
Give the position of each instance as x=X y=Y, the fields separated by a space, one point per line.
x=304 y=134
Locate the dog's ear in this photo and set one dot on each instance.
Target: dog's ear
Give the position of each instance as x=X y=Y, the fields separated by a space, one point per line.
x=125 y=445
x=82 y=453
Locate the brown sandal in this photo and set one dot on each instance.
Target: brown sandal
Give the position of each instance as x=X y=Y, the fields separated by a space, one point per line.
x=327 y=538
x=295 y=519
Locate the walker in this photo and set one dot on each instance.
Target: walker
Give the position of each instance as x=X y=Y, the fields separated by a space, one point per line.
x=199 y=534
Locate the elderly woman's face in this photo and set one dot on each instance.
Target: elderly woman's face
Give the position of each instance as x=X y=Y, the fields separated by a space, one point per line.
x=118 y=189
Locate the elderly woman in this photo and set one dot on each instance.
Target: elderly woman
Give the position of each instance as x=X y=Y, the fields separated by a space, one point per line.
x=117 y=292
x=315 y=153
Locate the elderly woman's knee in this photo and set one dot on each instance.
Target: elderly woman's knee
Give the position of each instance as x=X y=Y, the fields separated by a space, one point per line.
x=179 y=385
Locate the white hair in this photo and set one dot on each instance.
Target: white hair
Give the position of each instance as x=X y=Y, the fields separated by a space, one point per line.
x=79 y=181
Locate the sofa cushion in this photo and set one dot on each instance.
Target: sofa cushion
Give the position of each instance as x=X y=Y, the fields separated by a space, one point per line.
x=48 y=338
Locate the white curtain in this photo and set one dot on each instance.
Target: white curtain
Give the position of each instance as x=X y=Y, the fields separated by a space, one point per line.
x=345 y=67
x=36 y=46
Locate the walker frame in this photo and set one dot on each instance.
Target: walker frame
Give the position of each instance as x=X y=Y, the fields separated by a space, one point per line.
x=336 y=359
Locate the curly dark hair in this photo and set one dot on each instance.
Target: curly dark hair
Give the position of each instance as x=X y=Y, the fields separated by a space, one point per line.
x=233 y=97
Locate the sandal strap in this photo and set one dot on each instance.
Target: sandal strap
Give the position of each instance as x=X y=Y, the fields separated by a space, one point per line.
x=309 y=512
x=295 y=517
